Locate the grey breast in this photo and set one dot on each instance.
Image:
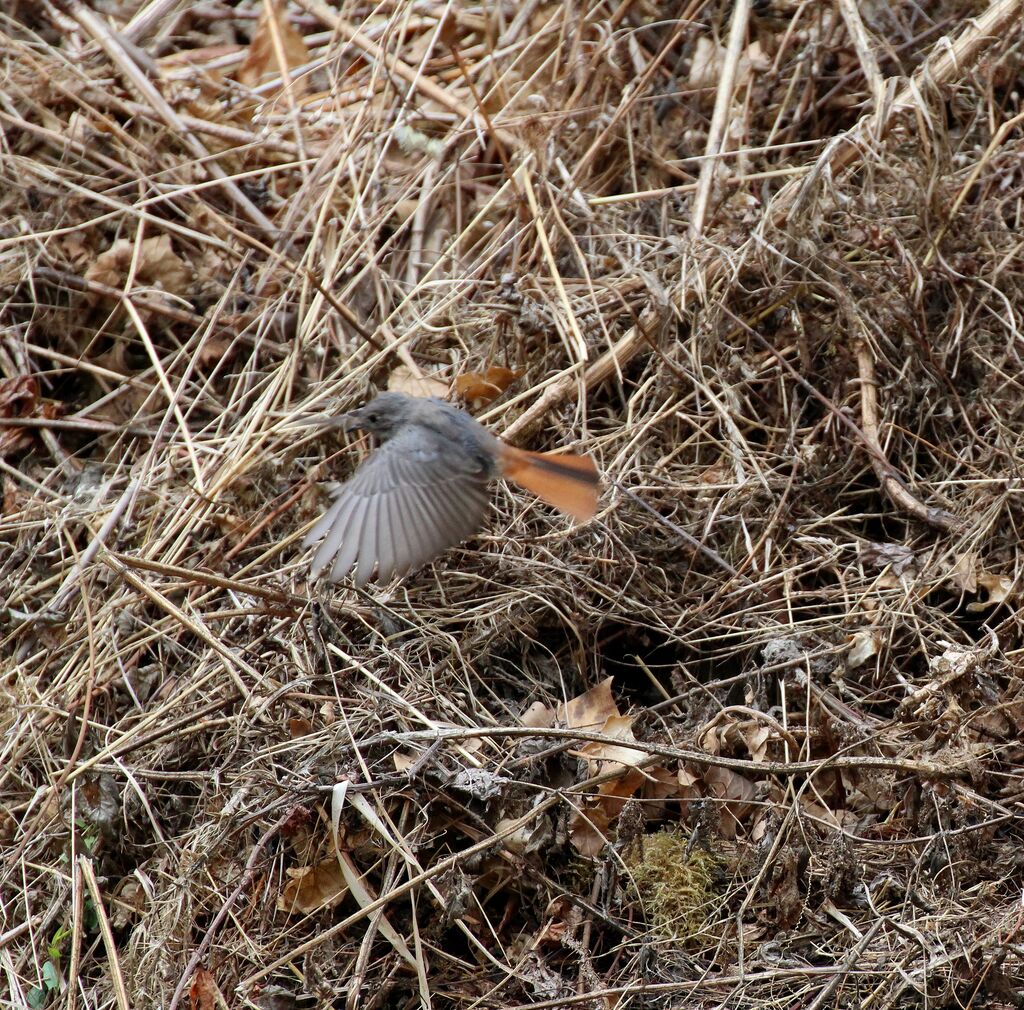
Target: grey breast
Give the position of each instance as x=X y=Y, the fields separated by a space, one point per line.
x=412 y=499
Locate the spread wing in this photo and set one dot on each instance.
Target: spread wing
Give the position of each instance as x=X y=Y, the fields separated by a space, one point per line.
x=403 y=506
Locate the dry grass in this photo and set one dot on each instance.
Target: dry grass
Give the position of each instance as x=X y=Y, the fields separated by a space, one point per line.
x=763 y=261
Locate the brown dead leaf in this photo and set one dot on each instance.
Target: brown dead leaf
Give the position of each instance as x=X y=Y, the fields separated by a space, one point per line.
x=132 y=899
x=478 y=389
x=10 y=503
x=403 y=380
x=214 y=351
x=689 y=783
x=596 y=710
x=19 y=398
x=785 y=902
x=602 y=757
x=274 y=36
x=836 y=819
x=756 y=736
x=716 y=474
x=158 y=267
x=591 y=709
x=899 y=558
x=727 y=734
x=588 y=829
x=204 y=993
x=998 y=588
x=969 y=576
x=299 y=727
x=964 y=573
x=737 y=793
x=709 y=58
x=863 y=645
x=661 y=784
x=312 y=888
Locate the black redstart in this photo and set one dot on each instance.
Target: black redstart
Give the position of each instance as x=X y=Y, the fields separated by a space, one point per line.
x=425 y=489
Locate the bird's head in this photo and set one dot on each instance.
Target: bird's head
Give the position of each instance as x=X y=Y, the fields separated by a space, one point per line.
x=382 y=416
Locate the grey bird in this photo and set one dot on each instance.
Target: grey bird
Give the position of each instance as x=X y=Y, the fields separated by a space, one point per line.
x=425 y=488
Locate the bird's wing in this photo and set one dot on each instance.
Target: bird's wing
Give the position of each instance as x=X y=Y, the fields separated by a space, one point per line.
x=404 y=505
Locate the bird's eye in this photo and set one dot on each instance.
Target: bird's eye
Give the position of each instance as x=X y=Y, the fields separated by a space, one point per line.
x=371 y=417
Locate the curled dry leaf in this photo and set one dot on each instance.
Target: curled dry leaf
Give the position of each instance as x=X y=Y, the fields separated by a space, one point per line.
x=19 y=398
x=737 y=793
x=602 y=757
x=158 y=267
x=596 y=710
x=403 y=380
x=968 y=575
x=964 y=573
x=273 y=32
x=590 y=709
x=998 y=588
x=709 y=57
x=756 y=736
x=588 y=829
x=726 y=734
x=689 y=783
x=619 y=761
x=863 y=645
x=478 y=389
x=898 y=558
x=204 y=993
x=528 y=838
x=312 y=888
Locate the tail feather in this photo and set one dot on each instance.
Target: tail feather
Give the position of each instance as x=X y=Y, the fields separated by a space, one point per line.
x=570 y=483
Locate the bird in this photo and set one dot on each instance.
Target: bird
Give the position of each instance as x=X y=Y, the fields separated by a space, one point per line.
x=424 y=489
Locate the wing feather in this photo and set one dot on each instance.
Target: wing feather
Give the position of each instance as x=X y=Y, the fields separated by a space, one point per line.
x=399 y=538
x=402 y=507
x=369 y=541
x=340 y=513
x=349 y=539
x=451 y=514
x=429 y=532
x=325 y=522
x=386 y=552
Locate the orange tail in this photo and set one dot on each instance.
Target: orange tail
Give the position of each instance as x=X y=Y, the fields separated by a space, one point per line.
x=570 y=483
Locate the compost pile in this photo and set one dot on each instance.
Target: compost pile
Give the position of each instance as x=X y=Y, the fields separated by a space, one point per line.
x=750 y=737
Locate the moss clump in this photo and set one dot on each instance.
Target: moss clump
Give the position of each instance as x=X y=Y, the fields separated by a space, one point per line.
x=677 y=888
